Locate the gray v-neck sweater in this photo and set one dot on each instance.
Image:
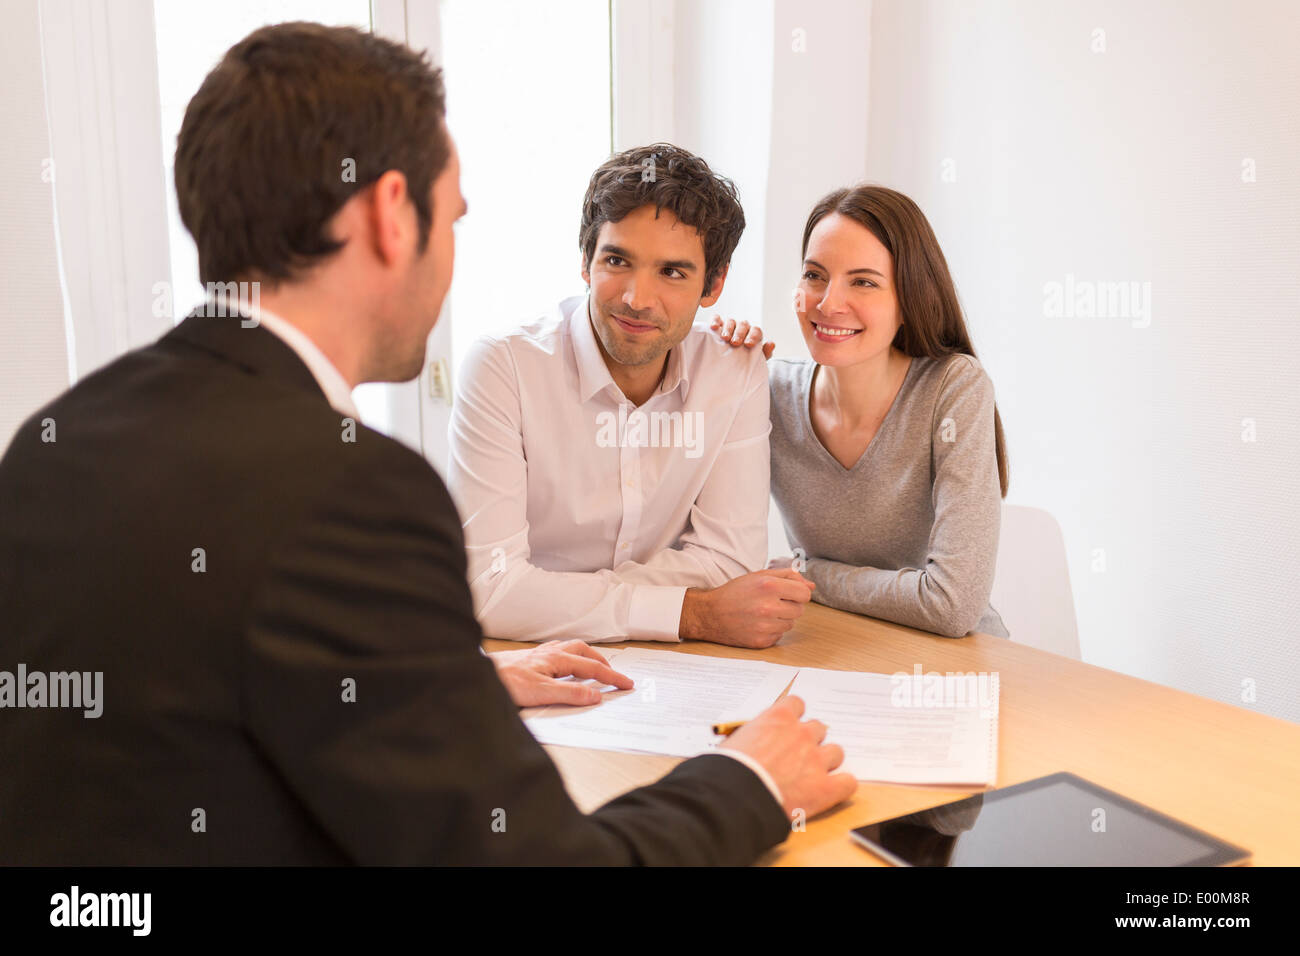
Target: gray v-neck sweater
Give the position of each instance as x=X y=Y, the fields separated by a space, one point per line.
x=910 y=532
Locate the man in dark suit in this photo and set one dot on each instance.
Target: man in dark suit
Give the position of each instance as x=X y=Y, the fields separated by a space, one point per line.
x=274 y=595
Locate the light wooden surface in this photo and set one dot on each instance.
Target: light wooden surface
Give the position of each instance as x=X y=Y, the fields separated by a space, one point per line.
x=1224 y=769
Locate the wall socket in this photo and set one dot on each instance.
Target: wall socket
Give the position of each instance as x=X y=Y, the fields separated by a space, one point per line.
x=439 y=380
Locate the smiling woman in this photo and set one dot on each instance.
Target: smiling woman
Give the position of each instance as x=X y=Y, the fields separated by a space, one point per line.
x=888 y=461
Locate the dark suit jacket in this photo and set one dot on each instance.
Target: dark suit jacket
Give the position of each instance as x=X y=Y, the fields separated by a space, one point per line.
x=223 y=689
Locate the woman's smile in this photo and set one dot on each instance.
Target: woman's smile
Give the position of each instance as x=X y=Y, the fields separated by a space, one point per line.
x=831 y=333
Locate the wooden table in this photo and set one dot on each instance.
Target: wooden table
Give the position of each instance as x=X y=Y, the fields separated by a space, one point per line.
x=1224 y=769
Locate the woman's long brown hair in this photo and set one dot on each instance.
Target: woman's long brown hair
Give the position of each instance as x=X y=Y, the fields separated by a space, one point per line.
x=933 y=324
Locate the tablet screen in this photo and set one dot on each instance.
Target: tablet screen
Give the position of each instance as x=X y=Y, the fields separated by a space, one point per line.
x=1061 y=820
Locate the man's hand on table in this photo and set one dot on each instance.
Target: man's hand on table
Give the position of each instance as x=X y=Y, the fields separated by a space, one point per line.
x=753 y=610
x=534 y=675
x=792 y=751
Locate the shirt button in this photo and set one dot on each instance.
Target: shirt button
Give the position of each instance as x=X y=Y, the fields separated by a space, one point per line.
x=623 y=546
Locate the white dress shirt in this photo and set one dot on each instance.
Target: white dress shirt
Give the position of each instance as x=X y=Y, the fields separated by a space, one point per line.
x=331 y=381
x=583 y=522
x=576 y=524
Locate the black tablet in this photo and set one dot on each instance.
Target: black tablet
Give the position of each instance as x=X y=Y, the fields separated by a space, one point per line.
x=1060 y=820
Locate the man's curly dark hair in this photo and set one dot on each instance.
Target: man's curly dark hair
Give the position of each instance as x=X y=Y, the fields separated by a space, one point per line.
x=666 y=177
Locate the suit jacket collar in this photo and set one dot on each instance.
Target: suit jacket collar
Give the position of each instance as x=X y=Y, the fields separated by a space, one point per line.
x=251 y=347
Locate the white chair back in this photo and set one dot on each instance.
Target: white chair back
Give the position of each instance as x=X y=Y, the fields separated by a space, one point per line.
x=1031 y=588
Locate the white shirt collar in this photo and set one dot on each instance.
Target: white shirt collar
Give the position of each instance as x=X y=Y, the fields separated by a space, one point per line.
x=593 y=373
x=328 y=377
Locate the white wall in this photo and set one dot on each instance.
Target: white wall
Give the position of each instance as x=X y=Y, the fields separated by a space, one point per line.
x=820 y=104
x=1128 y=164
x=1042 y=150
x=722 y=94
x=774 y=95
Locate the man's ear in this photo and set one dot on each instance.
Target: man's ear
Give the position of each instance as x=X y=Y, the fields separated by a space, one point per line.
x=392 y=216
x=711 y=295
x=584 y=268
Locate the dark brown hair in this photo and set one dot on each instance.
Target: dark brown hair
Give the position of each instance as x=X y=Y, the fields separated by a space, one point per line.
x=933 y=324
x=294 y=120
x=666 y=177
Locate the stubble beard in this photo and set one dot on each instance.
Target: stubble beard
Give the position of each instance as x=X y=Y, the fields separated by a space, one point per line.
x=621 y=351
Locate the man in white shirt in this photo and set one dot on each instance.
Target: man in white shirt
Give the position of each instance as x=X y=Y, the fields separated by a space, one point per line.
x=610 y=461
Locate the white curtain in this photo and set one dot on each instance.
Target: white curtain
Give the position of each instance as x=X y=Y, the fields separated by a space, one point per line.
x=101 y=89
x=33 y=345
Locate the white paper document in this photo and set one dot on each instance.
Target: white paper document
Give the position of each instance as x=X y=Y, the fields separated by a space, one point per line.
x=676 y=700
x=908 y=728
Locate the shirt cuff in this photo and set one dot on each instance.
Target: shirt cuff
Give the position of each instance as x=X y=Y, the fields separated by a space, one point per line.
x=655 y=613
x=759 y=770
